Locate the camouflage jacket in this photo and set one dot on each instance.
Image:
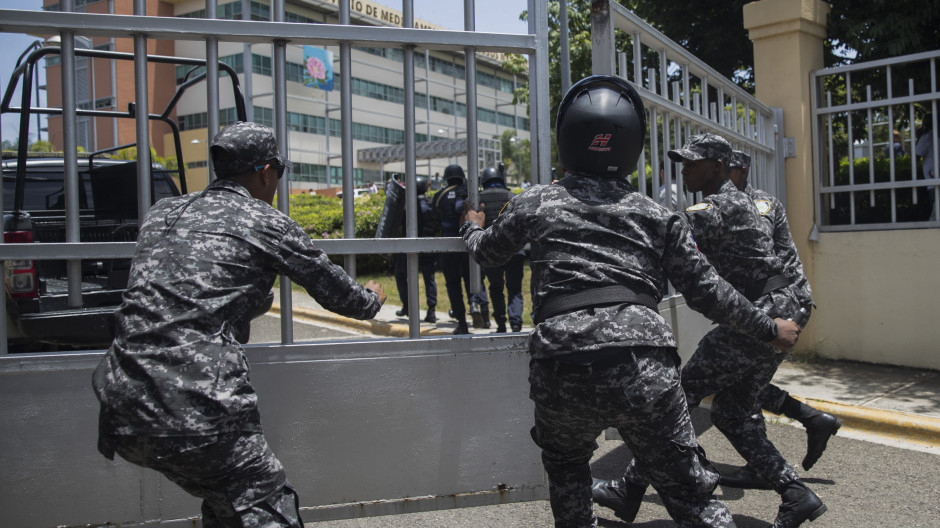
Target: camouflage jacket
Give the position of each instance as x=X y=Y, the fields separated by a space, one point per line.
x=774 y=212
x=203 y=267
x=729 y=231
x=590 y=232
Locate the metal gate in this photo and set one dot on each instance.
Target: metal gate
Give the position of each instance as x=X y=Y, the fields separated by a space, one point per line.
x=364 y=427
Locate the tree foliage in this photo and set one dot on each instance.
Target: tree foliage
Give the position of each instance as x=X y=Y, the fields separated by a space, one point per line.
x=714 y=32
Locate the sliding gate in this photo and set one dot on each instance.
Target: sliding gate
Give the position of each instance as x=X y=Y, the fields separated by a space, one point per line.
x=364 y=427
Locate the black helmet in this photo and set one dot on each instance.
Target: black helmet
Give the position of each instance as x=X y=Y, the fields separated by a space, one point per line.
x=601 y=127
x=453 y=175
x=490 y=174
x=421 y=185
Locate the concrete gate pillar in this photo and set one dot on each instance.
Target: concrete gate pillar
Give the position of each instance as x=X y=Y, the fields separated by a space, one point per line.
x=788 y=44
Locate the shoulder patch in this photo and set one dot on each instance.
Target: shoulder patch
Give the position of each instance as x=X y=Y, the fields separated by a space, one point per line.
x=701 y=206
x=763 y=206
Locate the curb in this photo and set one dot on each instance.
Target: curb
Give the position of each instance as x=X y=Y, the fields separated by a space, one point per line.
x=372 y=326
x=915 y=428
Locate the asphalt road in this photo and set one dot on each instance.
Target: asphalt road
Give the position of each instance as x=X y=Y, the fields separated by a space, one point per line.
x=267 y=329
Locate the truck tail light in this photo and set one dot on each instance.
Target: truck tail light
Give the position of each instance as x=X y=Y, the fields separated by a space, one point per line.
x=20 y=275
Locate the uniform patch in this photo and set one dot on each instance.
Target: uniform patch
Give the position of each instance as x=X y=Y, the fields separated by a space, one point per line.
x=763 y=206
x=701 y=206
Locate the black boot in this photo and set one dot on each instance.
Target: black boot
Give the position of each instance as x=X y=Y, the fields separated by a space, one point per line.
x=431 y=317
x=402 y=313
x=799 y=504
x=461 y=328
x=475 y=315
x=819 y=427
x=744 y=478
x=485 y=314
x=500 y=327
x=623 y=498
x=516 y=327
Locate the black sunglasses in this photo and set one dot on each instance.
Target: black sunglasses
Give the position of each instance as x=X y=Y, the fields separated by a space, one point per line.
x=280 y=168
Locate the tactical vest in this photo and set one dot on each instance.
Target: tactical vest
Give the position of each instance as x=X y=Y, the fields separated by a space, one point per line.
x=445 y=205
x=493 y=200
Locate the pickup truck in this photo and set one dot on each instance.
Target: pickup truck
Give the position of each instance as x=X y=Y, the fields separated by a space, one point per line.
x=37 y=290
x=38 y=314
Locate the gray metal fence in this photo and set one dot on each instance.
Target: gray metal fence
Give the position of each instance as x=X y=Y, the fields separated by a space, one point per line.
x=872 y=124
x=684 y=96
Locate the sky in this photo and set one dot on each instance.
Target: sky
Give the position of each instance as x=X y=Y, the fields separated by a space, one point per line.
x=496 y=16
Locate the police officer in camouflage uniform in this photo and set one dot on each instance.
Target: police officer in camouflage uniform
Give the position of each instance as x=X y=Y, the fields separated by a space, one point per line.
x=494 y=197
x=447 y=205
x=174 y=389
x=601 y=355
x=819 y=426
x=734 y=367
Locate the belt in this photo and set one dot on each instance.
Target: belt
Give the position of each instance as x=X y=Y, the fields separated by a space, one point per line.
x=593 y=297
x=559 y=366
x=758 y=289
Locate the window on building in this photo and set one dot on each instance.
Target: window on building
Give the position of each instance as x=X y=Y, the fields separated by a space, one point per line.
x=261 y=64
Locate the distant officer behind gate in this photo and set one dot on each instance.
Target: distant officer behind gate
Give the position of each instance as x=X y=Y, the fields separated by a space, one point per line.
x=601 y=353
x=820 y=426
x=447 y=205
x=427 y=262
x=494 y=197
x=174 y=389
x=735 y=368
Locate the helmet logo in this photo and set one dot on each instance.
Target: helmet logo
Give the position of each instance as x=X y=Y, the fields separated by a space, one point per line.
x=600 y=143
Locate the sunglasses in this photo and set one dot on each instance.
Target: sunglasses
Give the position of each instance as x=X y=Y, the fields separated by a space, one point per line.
x=280 y=168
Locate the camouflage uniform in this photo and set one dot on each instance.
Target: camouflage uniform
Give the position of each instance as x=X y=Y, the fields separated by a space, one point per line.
x=614 y=364
x=775 y=214
x=735 y=367
x=174 y=387
x=509 y=275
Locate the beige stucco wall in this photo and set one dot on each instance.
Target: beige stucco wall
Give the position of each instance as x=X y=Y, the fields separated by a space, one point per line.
x=877 y=291
x=878 y=294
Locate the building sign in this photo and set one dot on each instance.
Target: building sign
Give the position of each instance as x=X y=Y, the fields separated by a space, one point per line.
x=394 y=18
x=319 y=68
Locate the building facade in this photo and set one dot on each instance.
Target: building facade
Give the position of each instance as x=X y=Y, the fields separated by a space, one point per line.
x=313 y=103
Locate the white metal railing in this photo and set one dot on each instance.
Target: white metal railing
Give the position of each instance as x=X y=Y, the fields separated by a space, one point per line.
x=864 y=181
x=698 y=100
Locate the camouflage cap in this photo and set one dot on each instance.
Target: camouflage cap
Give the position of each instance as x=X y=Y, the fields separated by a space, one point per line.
x=240 y=147
x=703 y=146
x=739 y=160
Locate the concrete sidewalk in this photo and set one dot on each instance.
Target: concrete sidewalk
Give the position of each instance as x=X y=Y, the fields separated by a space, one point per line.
x=893 y=405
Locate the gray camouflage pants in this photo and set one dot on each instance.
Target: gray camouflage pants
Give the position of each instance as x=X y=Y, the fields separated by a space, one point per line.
x=240 y=481
x=643 y=399
x=736 y=369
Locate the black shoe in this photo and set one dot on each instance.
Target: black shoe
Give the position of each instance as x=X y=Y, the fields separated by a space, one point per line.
x=624 y=499
x=431 y=317
x=476 y=315
x=516 y=328
x=743 y=478
x=799 y=504
x=485 y=314
x=500 y=328
x=402 y=313
x=461 y=328
x=818 y=430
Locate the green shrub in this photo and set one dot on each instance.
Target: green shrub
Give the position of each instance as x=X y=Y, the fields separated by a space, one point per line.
x=322 y=218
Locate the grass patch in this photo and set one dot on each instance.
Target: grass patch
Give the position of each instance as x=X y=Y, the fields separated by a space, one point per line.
x=387 y=280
